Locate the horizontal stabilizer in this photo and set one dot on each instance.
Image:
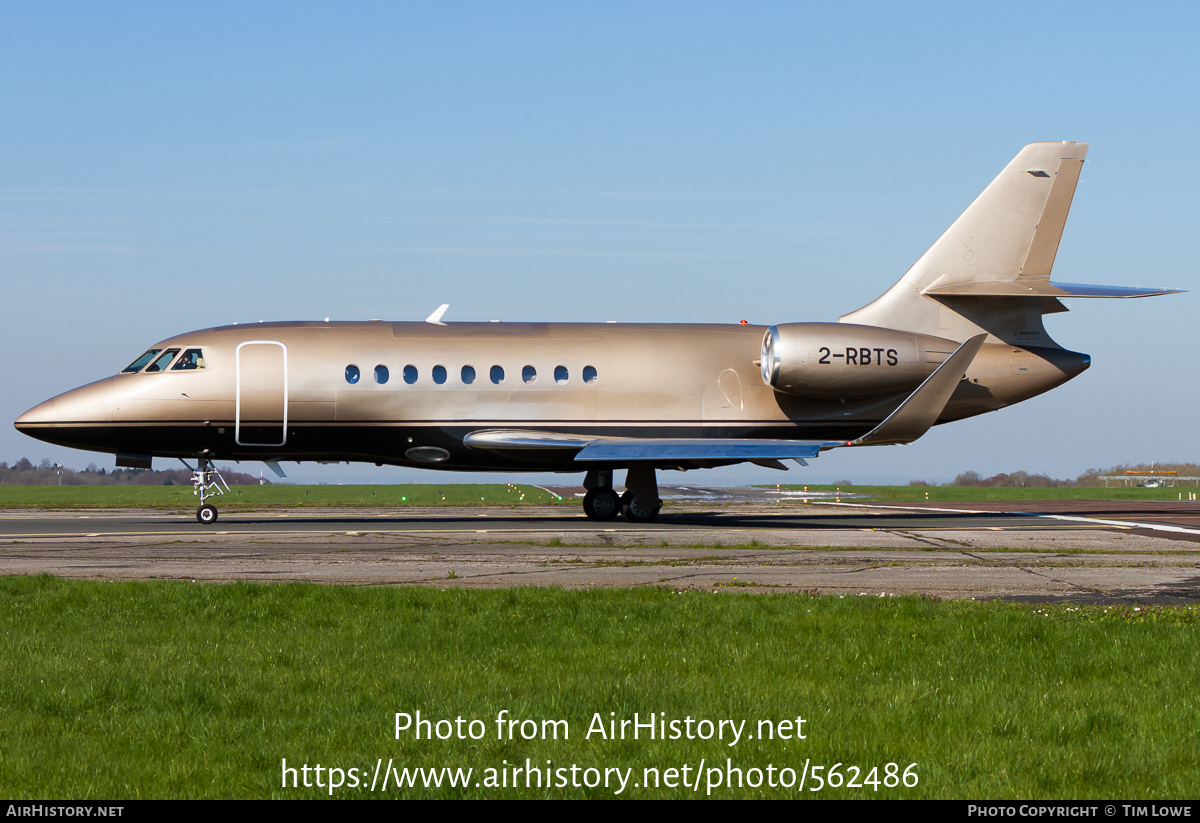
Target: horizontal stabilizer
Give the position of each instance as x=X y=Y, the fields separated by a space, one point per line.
x=1038 y=288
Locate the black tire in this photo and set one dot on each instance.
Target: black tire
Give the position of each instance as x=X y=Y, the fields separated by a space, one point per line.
x=635 y=512
x=207 y=514
x=601 y=504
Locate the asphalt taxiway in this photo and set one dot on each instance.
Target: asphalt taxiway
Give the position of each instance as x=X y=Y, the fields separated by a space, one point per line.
x=1083 y=552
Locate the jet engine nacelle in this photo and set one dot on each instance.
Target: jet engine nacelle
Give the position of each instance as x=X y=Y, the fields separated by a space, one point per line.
x=844 y=360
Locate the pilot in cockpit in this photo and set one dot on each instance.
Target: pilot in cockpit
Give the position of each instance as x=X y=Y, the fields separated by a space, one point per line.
x=191 y=359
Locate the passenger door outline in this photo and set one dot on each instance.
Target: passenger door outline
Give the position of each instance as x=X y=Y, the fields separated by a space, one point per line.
x=237 y=398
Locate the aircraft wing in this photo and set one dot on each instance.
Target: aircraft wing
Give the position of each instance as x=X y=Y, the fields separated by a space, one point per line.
x=693 y=453
x=593 y=448
x=911 y=419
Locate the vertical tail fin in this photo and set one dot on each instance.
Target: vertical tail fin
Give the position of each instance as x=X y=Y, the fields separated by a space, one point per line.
x=1003 y=245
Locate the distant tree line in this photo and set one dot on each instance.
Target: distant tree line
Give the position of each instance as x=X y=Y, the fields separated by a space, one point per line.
x=1089 y=479
x=25 y=473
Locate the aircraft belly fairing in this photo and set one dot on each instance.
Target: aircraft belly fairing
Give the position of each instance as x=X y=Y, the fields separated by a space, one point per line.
x=959 y=334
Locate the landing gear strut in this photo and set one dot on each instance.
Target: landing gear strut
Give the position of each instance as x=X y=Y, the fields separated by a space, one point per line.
x=206 y=482
x=640 y=503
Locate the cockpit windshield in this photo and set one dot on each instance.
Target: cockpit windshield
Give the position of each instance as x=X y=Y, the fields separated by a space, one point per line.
x=160 y=360
x=140 y=363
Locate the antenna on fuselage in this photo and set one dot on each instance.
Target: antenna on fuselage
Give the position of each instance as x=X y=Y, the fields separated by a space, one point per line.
x=436 y=317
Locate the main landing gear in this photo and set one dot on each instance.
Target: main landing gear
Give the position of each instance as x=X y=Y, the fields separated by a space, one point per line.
x=206 y=482
x=639 y=503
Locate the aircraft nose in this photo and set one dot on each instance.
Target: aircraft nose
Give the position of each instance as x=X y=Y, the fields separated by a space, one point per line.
x=76 y=411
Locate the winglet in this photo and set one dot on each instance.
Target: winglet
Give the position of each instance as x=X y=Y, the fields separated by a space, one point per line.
x=436 y=317
x=920 y=411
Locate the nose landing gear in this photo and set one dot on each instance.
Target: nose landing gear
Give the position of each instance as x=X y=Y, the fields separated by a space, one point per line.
x=206 y=482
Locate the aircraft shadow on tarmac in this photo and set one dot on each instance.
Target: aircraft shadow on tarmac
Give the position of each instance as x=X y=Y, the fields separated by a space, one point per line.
x=716 y=520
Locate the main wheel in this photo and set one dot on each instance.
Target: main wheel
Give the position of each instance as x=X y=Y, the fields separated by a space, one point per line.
x=635 y=510
x=207 y=514
x=601 y=504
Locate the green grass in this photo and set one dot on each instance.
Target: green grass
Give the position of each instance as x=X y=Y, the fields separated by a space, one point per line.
x=124 y=690
x=274 y=496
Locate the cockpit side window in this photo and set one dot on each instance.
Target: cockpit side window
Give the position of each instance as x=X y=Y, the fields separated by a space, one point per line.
x=163 y=360
x=140 y=363
x=192 y=359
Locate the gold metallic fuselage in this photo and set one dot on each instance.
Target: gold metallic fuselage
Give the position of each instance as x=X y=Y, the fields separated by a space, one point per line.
x=279 y=391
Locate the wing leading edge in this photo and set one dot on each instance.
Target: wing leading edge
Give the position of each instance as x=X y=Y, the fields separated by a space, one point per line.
x=620 y=449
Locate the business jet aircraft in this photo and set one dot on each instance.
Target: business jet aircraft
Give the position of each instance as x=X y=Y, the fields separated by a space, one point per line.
x=960 y=334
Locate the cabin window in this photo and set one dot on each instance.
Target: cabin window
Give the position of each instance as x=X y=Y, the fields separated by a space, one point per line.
x=352 y=374
x=410 y=374
x=589 y=374
x=381 y=374
x=497 y=375
x=192 y=359
x=163 y=360
x=439 y=374
x=529 y=374
x=468 y=375
x=140 y=363
x=561 y=375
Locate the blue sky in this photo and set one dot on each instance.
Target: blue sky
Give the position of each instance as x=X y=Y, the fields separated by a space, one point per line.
x=165 y=167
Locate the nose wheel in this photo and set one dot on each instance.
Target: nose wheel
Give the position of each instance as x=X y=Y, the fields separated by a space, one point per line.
x=207 y=514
